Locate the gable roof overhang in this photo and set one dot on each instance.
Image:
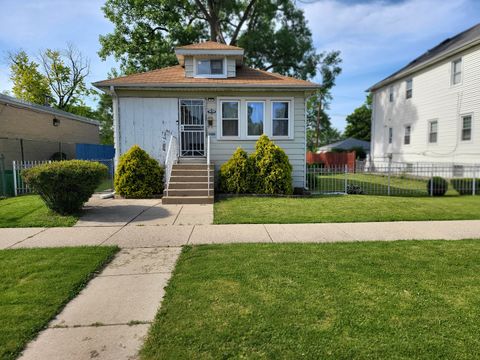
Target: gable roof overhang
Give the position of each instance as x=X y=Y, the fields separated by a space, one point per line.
x=209 y=48
x=432 y=59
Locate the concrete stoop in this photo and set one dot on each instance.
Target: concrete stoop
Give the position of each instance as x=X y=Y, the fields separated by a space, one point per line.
x=189 y=184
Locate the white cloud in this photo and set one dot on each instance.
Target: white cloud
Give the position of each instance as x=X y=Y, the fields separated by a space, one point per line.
x=378 y=37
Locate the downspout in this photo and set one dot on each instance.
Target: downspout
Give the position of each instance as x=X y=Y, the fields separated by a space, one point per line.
x=116 y=124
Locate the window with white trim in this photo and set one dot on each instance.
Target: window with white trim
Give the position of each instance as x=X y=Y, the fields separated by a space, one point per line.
x=467 y=128
x=280 y=118
x=406 y=137
x=255 y=117
x=433 y=132
x=210 y=67
x=230 y=117
x=456 y=71
x=409 y=89
x=390 y=94
x=390 y=135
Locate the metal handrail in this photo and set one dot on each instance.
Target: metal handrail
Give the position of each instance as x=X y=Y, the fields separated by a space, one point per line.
x=208 y=164
x=170 y=159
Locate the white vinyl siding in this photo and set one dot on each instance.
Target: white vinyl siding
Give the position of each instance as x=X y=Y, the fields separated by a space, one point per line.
x=434 y=98
x=222 y=149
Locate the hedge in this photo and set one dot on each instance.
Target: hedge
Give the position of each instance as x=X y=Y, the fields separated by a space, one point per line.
x=464 y=186
x=138 y=175
x=65 y=185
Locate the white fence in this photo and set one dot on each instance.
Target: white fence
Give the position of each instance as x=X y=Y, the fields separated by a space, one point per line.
x=399 y=179
x=19 y=186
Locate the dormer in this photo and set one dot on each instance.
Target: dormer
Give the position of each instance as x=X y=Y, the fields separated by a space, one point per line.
x=210 y=59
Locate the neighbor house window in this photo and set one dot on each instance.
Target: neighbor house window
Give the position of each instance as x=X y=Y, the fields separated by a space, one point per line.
x=409 y=92
x=230 y=117
x=390 y=94
x=210 y=67
x=467 y=128
x=456 y=72
x=433 y=132
x=390 y=135
x=280 y=118
x=255 y=117
x=406 y=138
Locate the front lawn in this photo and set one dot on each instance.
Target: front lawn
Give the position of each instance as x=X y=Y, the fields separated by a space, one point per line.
x=36 y=284
x=30 y=211
x=370 y=300
x=344 y=208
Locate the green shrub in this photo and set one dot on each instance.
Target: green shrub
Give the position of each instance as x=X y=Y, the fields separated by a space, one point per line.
x=138 y=175
x=439 y=187
x=464 y=186
x=272 y=170
x=65 y=185
x=236 y=174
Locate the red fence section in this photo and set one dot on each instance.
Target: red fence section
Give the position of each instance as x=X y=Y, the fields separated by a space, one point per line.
x=332 y=159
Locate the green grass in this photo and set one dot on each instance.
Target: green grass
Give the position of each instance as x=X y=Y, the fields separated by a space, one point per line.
x=36 y=284
x=344 y=208
x=30 y=211
x=377 y=300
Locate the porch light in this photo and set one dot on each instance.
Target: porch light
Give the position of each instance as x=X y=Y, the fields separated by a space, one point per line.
x=56 y=122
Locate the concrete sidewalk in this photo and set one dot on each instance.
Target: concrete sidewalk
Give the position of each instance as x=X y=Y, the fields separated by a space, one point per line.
x=145 y=236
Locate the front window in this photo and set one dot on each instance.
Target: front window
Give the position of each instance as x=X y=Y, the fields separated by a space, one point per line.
x=230 y=112
x=408 y=130
x=456 y=72
x=409 y=91
x=390 y=135
x=433 y=132
x=210 y=67
x=280 y=118
x=466 y=128
x=255 y=118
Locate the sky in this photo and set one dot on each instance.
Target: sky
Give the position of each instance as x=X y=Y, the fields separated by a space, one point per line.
x=375 y=37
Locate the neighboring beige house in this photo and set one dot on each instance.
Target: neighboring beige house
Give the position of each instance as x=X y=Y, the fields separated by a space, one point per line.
x=429 y=111
x=34 y=132
x=210 y=96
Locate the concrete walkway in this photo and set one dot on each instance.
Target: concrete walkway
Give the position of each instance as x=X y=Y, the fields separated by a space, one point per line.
x=109 y=319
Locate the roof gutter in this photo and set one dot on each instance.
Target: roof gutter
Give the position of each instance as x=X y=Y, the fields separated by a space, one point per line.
x=192 y=86
x=419 y=67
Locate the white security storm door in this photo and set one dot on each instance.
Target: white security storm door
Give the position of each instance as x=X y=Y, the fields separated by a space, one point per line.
x=192 y=128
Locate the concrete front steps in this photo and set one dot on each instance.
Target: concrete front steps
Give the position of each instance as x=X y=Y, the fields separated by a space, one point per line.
x=189 y=184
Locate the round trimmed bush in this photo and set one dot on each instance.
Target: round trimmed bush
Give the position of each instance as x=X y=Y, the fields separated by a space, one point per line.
x=138 y=175
x=235 y=174
x=65 y=185
x=272 y=170
x=439 y=186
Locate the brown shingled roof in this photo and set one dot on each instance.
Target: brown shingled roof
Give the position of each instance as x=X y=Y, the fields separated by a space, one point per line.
x=174 y=76
x=209 y=45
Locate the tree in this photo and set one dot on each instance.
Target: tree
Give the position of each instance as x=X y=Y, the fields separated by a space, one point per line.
x=274 y=34
x=28 y=83
x=66 y=72
x=317 y=118
x=104 y=114
x=359 y=123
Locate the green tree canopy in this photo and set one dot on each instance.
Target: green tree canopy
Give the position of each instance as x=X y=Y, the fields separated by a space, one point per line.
x=359 y=123
x=274 y=34
x=28 y=83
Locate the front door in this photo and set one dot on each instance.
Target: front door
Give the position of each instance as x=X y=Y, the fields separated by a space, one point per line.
x=192 y=128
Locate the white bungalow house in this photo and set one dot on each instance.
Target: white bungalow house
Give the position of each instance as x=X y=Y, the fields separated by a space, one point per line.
x=429 y=111
x=202 y=110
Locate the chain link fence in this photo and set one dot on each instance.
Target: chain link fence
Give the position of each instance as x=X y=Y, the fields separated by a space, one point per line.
x=396 y=179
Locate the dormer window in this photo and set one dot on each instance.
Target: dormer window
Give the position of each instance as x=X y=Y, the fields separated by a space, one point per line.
x=210 y=68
